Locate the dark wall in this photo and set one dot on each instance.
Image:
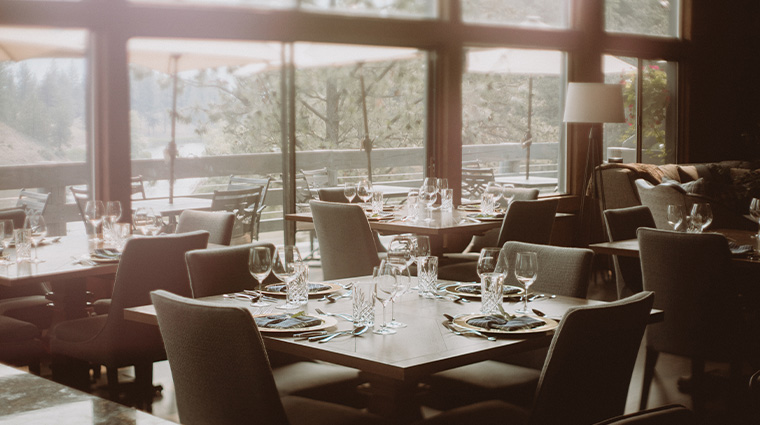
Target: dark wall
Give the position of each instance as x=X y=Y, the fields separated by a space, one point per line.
x=724 y=97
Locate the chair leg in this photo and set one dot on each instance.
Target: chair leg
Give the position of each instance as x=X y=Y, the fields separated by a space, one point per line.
x=144 y=386
x=698 y=384
x=649 y=363
x=112 y=377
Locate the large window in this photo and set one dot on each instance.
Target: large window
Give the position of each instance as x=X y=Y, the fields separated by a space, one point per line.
x=525 y=13
x=659 y=18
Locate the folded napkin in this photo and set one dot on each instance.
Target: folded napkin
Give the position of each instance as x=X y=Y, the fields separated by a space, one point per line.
x=500 y=323
x=286 y=321
x=737 y=249
x=476 y=289
x=106 y=254
x=313 y=287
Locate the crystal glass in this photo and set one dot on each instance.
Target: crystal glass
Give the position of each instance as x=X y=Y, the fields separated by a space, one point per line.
x=487 y=203
x=399 y=256
x=428 y=196
x=526 y=270
x=364 y=191
x=377 y=202
x=349 y=191
x=6 y=237
x=496 y=190
x=447 y=199
x=142 y=219
x=38 y=228
x=754 y=211
x=412 y=204
x=386 y=285
x=286 y=265
x=363 y=303
x=442 y=184
x=260 y=265
x=701 y=215
x=675 y=216
x=94 y=212
x=492 y=267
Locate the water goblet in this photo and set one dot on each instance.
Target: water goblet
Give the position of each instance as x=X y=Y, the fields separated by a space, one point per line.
x=496 y=190
x=701 y=215
x=526 y=270
x=286 y=266
x=364 y=191
x=507 y=194
x=36 y=224
x=6 y=237
x=675 y=216
x=412 y=204
x=113 y=211
x=349 y=191
x=142 y=219
x=399 y=256
x=754 y=211
x=94 y=212
x=260 y=265
x=442 y=184
x=384 y=278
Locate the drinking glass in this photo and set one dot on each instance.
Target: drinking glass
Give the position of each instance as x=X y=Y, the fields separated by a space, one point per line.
x=94 y=212
x=701 y=214
x=428 y=195
x=675 y=216
x=6 y=237
x=286 y=265
x=142 y=220
x=260 y=265
x=377 y=202
x=492 y=267
x=113 y=211
x=442 y=184
x=496 y=190
x=508 y=194
x=426 y=200
x=754 y=211
x=399 y=256
x=487 y=203
x=36 y=224
x=384 y=278
x=349 y=191
x=526 y=269
x=364 y=191
x=447 y=200
x=412 y=204
x=420 y=246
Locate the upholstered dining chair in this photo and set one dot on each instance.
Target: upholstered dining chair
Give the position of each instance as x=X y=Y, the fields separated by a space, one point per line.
x=218 y=224
x=691 y=275
x=524 y=221
x=671 y=414
x=333 y=194
x=562 y=271
x=225 y=270
x=346 y=245
x=622 y=223
x=147 y=264
x=201 y=336
x=586 y=375
x=20 y=343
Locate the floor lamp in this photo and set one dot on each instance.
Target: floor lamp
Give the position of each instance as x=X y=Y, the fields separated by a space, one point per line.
x=593 y=103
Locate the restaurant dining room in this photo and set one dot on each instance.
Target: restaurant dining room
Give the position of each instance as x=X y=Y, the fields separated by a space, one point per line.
x=379 y=212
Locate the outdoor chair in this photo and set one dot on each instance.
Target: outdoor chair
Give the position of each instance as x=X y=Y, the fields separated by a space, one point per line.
x=244 y=203
x=138 y=187
x=81 y=196
x=201 y=336
x=474 y=181
x=218 y=224
x=622 y=223
x=236 y=183
x=32 y=202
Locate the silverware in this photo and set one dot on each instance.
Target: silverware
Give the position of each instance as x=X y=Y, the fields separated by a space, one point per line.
x=345 y=316
x=353 y=332
x=458 y=330
x=306 y=335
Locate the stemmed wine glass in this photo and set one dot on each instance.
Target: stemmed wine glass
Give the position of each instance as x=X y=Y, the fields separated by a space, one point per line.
x=399 y=256
x=364 y=191
x=754 y=211
x=349 y=191
x=386 y=286
x=496 y=191
x=675 y=215
x=142 y=220
x=287 y=265
x=428 y=196
x=507 y=193
x=526 y=270
x=701 y=215
x=260 y=265
x=36 y=224
x=6 y=236
x=113 y=214
x=442 y=184
x=94 y=212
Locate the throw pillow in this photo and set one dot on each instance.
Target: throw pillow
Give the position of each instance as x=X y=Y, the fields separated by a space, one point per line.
x=687 y=173
x=696 y=187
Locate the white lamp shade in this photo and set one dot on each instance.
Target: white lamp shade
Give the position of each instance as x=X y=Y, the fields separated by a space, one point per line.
x=594 y=103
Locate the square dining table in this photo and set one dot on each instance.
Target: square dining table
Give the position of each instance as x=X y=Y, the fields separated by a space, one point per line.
x=395 y=364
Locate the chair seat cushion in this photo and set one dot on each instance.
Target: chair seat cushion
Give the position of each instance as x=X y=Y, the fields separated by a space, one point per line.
x=79 y=330
x=102 y=306
x=13 y=330
x=31 y=308
x=301 y=410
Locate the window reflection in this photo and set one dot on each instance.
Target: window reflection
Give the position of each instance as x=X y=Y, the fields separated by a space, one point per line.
x=523 y=13
x=647 y=17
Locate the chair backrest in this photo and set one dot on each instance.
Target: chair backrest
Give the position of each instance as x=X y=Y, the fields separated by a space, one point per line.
x=81 y=196
x=316 y=178
x=335 y=194
x=561 y=270
x=218 y=224
x=588 y=369
x=138 y=187
x=243 y=202
x=658 y=197
x=34 y=202
x=671 y=414
x=622 y=223
x=691 y=274
x=237 y=183
x=18 y=216
x=346 y=245
x=475 y=180
x=528 y=221
x=222 y=270
x=218 y=362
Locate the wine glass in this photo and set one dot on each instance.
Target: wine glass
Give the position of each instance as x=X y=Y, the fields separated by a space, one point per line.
x=399 y=256
x=384 y=278
x=754 y=211
x=508 y=194
x=260 y=265
x=6 y=237
x=349 y=191
x=156 y=222
x=94 y=212
x=675 y=215
x=701 y=214
x=286 y=266
x=526 y=269
x=364 y=191
x=113 y=211
x=36 y=223
x=142 y=219
x=442 y=184
x=490 y=261
x=428 y=196
x=496 y=190
x=420 y=246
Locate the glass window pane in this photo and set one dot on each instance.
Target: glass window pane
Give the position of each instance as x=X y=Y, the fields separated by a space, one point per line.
x=527 y=13
x=512 y=121
x=254 y=4
x=227 y=118
x=620 y=138
x=339 y=90
x=43 y=127
x=647 y=17
x=380 y=8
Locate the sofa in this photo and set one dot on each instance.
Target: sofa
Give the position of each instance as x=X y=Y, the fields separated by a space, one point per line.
x=728 y=186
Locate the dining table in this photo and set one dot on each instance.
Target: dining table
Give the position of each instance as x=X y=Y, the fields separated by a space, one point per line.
x=173 y=209
x=394 y=365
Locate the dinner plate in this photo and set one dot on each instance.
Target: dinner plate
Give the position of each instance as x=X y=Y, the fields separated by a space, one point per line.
x=486 y=217
x=454 y=290
x=381 y=216
x=548 y=326
x=334 y=287
x=103 y=260
x=327 y=322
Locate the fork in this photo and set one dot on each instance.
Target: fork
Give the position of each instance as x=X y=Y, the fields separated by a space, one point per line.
x=345 y=316
x=462 y=331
